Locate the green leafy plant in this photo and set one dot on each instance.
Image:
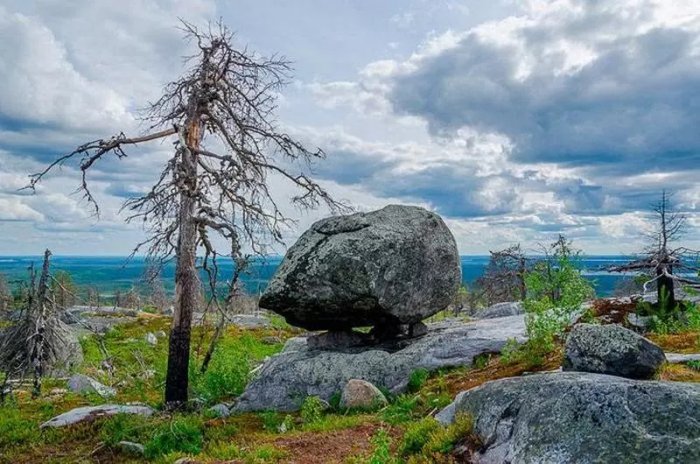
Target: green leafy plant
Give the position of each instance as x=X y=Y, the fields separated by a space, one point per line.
x=417 y=379
x=312 y=409
x=555 y=291
x=417 y=435
x=427 y=437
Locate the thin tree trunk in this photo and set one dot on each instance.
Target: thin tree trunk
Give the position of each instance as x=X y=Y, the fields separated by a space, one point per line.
x=186 y=278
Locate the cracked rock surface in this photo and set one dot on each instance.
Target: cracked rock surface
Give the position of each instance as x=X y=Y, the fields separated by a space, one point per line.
x=583 y=418
x=394 y=266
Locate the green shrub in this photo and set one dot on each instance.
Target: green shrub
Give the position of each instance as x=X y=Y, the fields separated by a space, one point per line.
x=417 y=435
x=481 y=360
x=694 y=365
x=182 y=434
x=401 y=409
x=312 y=409
x=555 y=291
x=427 y=437
x=417 y=379
x=684 y=317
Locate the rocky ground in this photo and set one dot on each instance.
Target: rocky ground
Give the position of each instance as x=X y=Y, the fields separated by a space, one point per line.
x=462 y=355
x=418 y=386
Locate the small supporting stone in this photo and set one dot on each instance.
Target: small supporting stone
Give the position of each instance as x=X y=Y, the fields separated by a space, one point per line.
x=337 y=339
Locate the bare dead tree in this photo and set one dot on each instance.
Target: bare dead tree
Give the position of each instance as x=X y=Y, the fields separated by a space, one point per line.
x=504 y=277
x=38 y=341
x=132 y=299
x=665 y=262
x=157 y=296
x=227 y=145
x=64 y=289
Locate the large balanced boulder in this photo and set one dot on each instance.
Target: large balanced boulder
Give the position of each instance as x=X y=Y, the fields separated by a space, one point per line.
x=302 y=369
x=582 y=418
x=611 y=349
x=387 y=268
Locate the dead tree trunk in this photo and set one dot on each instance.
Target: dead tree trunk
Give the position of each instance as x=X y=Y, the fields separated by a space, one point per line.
x=43 y=305
x=186 y=278
x=665 y=291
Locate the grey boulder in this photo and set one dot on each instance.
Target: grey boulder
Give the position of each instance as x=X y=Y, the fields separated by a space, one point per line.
x=611 y=349
x=90 y=413
x=250 y=321
x=511 y=308
x=285 y=380
x=80 y=383
x=220 y=410
x=394 y=266
x=583 y=418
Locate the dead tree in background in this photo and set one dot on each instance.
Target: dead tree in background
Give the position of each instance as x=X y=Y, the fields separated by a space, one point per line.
x=504 y=277
x=157 y=296
x=64 y=289
x=226 y=147
x=662 y=260
x=38 y=341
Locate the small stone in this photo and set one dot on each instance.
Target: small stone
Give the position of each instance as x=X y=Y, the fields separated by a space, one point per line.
x=161 y=334
x=132 y=448
x=250 y=321
x=151 y=339
x=220 y=410
x=80 y=383
x=360 y=394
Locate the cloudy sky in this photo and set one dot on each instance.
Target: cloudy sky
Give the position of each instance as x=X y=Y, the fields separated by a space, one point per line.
x=515 y=120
